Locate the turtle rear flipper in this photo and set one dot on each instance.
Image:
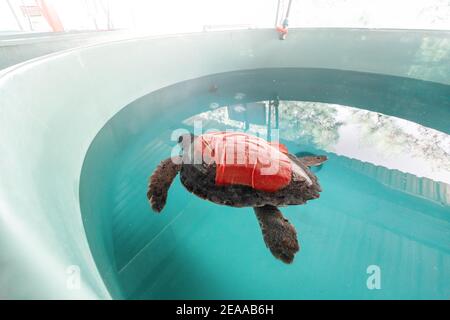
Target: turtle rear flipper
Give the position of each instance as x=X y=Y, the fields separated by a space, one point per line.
x=160 y=182
x=279 y=235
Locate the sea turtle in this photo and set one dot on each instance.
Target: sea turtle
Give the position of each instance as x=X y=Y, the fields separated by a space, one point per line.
x=206 y=171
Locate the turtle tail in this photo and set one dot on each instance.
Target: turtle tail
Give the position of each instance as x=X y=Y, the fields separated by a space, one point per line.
x=160 y=181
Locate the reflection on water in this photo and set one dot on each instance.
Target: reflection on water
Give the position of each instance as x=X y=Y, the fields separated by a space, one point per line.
x=358 y=134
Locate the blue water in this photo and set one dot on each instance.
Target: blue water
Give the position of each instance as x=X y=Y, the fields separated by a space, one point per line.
x=367 y=215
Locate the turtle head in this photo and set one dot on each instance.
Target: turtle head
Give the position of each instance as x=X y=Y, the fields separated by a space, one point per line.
x=318 y=160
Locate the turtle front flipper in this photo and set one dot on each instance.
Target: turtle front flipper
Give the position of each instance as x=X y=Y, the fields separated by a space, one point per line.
x=160 y=182
x=279 y=235
x=312 y=161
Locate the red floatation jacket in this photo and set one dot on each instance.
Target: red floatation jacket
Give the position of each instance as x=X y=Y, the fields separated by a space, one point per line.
x=244 y=159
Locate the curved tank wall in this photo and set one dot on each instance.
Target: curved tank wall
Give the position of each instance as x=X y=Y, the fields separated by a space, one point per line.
x=19 y=47
x=52 y=108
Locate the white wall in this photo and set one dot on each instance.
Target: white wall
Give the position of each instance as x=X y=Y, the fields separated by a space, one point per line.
x=175 y=16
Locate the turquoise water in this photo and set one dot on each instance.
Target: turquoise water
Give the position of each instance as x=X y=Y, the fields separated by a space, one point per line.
x=368 y=214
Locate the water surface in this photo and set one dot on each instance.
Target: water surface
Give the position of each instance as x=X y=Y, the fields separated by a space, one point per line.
x=385 y=199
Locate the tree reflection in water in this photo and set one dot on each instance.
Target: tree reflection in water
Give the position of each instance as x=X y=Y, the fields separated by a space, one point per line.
x=310 y=122
x=355 y=133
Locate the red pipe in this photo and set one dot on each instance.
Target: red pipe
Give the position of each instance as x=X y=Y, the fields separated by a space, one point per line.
x=51 y=16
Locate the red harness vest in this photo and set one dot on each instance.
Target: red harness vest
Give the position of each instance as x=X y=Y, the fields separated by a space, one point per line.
x=246 y=160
